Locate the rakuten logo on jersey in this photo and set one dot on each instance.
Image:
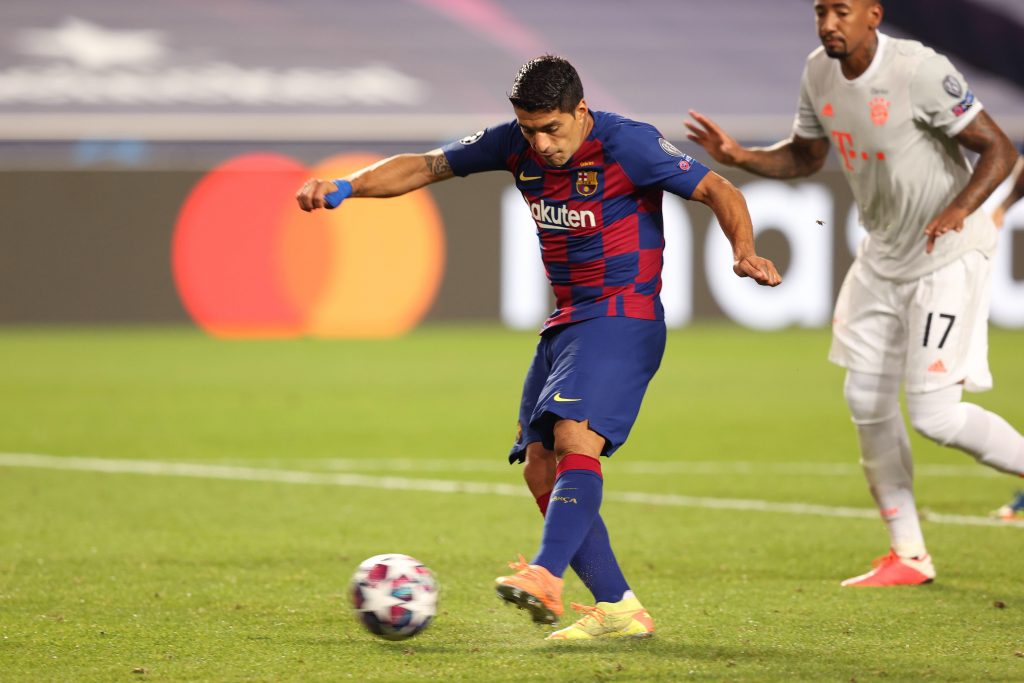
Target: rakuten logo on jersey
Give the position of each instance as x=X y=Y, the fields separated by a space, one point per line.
x=555 y=217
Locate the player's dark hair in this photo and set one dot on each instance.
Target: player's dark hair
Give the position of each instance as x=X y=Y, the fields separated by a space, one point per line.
x=545 y=84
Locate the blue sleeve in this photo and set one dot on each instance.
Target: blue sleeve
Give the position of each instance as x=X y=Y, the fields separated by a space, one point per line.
x=485 y=150
x=652 y=161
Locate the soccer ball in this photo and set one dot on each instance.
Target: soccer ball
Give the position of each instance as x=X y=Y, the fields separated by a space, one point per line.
x=394 y=596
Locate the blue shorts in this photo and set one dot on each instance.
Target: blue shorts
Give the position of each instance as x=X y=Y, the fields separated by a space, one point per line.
x=596 y=370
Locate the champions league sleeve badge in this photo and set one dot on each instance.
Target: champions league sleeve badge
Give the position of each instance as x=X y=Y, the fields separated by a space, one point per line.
x=952 y=86
x=673 y=151
x=669 y=148
x=470 y=139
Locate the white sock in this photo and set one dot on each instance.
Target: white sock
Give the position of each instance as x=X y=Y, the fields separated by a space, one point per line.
x=942 y=417
x=885 y=456
x=990 y=439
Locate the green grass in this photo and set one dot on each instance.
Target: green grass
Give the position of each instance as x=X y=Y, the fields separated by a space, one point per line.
x=193 y=579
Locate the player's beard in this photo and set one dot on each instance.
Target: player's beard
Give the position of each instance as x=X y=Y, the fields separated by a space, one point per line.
x=837 y=49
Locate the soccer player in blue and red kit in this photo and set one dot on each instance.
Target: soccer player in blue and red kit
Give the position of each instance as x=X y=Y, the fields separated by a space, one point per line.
x=594 y=183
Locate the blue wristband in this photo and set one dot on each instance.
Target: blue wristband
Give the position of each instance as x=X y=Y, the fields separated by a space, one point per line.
x=344 y=191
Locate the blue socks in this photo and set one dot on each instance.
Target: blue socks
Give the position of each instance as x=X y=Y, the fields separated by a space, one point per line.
x=574 y=531
x=597 y=567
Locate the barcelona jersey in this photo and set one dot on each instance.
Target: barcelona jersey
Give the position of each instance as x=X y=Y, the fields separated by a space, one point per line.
x=598 y=216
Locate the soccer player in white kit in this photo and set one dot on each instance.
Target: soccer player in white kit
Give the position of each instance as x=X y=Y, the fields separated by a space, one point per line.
x=913 y=308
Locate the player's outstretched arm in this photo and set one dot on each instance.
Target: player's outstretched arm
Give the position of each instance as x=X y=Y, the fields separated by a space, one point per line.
x=390 y=177
x=730 y=208
x=792 y=158
x=996 y=157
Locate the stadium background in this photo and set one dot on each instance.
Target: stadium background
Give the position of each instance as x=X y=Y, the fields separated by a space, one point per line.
x=179 y=507
x=112 y=114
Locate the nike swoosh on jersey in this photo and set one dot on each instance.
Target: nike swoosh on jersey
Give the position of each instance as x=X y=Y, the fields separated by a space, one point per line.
x=526 y=178
x=560 y=399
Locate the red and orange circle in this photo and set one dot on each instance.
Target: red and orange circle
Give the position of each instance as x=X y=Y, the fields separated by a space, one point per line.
x=248 y=263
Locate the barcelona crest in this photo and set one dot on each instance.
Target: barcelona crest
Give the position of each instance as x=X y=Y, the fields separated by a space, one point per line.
x=586 y=183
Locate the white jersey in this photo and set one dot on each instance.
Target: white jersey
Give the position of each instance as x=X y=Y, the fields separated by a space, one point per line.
x=893 y=128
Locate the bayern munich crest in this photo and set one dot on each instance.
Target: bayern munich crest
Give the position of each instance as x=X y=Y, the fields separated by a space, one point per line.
x=879 y=110
x=586 y=183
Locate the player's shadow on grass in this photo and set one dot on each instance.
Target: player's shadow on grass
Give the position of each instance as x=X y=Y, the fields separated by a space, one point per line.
x=722 y=662
x=405 y=648
x=397 y=648
x=742 y=658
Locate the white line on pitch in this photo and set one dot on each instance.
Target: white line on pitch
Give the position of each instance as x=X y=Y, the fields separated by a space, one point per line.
x=236 y=473
x=627 y=466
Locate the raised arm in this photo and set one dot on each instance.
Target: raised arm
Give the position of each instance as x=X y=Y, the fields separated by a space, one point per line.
x=730 y=208
x=996 y=157
x=792 y=158
x=389 y=177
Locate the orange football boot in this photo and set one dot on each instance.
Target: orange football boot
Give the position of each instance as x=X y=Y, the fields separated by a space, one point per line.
x=532 y=588
x=893 y=570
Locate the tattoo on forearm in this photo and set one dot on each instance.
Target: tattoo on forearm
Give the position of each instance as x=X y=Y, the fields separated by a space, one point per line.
x=988 y=175
x=772 y=163
x=438 y=165
x=788 y=159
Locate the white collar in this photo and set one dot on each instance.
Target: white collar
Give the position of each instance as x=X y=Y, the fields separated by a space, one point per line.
x=874 y=66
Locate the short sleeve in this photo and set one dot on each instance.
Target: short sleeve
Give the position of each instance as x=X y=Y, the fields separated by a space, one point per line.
x=485 y=150
x=649 y=160
x=806 y=124
x=940 y=96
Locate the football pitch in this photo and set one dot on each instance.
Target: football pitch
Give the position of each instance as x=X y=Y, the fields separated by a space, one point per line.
x=179 y=508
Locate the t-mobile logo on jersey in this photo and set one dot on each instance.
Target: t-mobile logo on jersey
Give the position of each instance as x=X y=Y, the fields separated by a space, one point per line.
x=848 y=152
x=561 y=217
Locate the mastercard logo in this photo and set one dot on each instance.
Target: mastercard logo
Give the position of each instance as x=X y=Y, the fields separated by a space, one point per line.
x=248 y=263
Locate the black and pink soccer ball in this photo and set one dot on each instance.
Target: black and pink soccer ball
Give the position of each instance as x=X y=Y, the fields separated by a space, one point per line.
x=394 y=596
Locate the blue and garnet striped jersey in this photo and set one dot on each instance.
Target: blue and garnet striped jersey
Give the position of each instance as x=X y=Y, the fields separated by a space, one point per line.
x=598 y=216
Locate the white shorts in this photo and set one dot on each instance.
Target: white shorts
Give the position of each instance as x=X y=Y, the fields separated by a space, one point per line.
x=932 y=331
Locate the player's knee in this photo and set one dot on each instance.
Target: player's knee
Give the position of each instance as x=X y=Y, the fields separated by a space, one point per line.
x=937 y=415
x=871 y=398
x=539 y=459
x=941 y=426
x=539 y=468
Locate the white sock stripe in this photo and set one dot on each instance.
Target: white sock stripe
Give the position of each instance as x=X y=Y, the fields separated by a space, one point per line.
x=244 y=473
